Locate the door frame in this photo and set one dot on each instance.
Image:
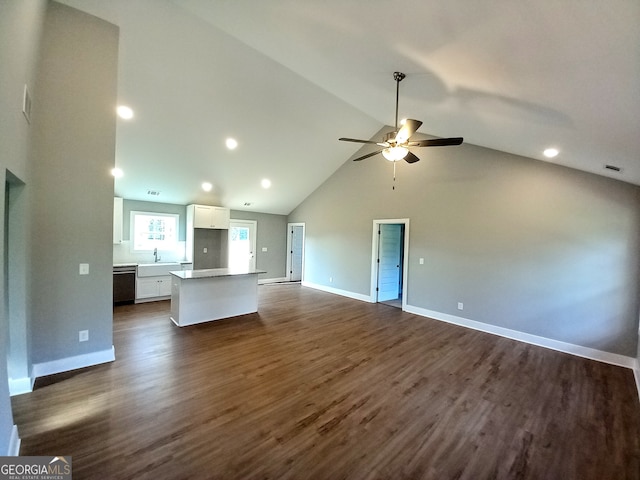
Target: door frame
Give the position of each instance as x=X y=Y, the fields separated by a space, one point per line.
x=289 y=225
x=374 y=258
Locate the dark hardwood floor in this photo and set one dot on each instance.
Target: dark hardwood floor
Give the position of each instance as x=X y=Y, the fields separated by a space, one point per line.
x=317 y=386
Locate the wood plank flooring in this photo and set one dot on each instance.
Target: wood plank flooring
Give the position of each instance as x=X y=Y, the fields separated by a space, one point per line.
x=317 y=386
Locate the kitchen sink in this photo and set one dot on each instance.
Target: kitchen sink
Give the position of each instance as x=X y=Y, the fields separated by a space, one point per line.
x=157 y=269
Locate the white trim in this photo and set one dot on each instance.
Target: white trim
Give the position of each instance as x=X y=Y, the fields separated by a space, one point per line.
x=337 y=291
x=636 y=374
x=14 y=443
x=18 y=386
x=304 y=233
x=73 y=363
x=374 y=258
x=578 y=350
x=262 y=281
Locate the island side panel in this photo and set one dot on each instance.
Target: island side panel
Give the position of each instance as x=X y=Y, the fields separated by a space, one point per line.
x=204 y=299
x=175 y=299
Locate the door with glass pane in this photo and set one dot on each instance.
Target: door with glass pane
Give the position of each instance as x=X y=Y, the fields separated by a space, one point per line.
x=242 y=244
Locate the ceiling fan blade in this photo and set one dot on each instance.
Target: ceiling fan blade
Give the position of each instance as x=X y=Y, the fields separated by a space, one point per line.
x=437 y=142
x=411 y=158
x=366 y=156
x=409 y=128
x=357 y=141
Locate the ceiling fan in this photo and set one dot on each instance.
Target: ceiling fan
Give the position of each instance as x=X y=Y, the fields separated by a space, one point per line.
x=396 y=144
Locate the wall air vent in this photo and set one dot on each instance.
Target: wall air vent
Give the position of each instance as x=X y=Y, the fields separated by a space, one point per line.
x=613 y=168
x=155 y=193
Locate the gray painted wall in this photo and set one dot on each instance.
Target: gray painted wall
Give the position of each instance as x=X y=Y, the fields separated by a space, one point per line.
x=72 y=190
x=20 y=30
x=217 y=244
x=524 y=244
x=272 y=235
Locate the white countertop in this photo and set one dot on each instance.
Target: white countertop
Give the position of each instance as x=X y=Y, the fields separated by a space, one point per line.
x=215 y=272
x=135 y=264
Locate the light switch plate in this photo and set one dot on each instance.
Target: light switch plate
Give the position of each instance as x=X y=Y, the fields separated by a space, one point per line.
x=83 y=335
x=264 y=249
x=84 y=269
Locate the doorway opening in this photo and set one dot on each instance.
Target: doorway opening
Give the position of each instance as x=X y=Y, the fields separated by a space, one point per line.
x=14 y=301
x=389 y=262
x=295 y=252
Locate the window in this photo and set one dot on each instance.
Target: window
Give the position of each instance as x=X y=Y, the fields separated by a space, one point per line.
x=154 y=230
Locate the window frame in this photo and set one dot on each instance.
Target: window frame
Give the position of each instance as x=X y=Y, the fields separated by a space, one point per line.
x=169 y=244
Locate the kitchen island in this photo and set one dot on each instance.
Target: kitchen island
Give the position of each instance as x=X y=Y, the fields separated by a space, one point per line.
x=199 y=296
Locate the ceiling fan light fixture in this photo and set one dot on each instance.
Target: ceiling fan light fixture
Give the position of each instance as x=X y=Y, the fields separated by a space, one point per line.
x=393 y=154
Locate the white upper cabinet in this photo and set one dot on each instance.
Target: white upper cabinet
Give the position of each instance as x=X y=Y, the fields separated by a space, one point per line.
x=205 y=216
x=117 y=220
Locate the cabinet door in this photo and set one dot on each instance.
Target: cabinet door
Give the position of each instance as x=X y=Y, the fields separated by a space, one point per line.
x=147 y=287
x=164 y=286
x=221 y=217
x=202 y=216
x=117 y=220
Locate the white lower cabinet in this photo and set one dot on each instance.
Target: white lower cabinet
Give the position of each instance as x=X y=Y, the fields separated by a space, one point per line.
x=153 y=288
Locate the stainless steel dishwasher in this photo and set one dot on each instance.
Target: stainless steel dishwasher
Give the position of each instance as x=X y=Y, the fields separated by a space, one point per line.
x=124 y=284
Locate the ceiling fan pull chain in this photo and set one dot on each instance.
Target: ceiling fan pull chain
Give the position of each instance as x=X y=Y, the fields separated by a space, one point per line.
x=394 y=176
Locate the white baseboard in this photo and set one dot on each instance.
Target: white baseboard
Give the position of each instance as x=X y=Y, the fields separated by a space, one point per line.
x=73 y=363
x=14 y=443
x=578 y=350
x=337 y=291
x=262 y=281
x=18 y=386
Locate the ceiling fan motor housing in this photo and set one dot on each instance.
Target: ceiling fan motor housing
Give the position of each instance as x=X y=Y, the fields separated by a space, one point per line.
x=390 y=137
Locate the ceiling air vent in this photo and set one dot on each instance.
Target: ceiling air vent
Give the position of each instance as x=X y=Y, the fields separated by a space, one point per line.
x=155 y=193
x=613 y=168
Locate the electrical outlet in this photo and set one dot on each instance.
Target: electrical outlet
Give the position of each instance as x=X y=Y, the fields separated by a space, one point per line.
x=83 y=335
x=330 y=279
x=264 y=249
x=204 y=250
x=460 y=306
x=84 y=269
x=422 y=261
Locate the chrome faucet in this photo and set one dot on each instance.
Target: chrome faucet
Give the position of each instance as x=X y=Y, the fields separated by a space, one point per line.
x=156 y=258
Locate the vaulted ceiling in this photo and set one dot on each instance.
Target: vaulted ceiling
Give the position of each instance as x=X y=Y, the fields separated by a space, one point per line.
x=287 y=78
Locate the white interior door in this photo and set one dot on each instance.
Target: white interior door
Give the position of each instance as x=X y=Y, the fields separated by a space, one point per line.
x=242 y=244
x=389 y=248
x=296 y=241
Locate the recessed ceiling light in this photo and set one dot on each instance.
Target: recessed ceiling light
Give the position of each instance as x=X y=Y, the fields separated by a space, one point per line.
x=551 y=152
x=125 y=112
x=231 y=143
x=206 y=186
x=266 y=183
x=117 y=172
